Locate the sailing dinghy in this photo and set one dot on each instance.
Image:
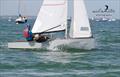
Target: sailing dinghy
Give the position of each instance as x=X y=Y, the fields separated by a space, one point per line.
x=20 y=19
x=52 y=17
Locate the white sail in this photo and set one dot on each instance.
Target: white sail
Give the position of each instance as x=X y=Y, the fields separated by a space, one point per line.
x=80 y=27
x=52 y=16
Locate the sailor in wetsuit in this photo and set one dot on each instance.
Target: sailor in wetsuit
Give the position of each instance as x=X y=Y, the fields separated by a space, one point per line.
x=33 y=37
x=27 y=33
x=40 y=38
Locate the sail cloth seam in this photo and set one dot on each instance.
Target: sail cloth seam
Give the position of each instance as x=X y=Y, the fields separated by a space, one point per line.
x=55 y=4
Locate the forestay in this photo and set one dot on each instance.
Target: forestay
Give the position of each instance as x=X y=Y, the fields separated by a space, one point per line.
x=52 y=16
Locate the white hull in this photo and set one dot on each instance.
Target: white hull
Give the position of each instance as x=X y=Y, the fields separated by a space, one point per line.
x=21 y=20
x=87 y=44
x=24 y=45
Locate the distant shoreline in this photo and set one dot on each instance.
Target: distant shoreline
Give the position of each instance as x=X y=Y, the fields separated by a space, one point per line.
x=14 y=17
x=34 y=17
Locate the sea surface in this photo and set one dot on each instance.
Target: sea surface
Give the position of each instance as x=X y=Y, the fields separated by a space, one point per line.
x=104 y=61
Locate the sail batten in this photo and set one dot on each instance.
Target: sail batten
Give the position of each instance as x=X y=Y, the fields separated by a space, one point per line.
x=52 y=13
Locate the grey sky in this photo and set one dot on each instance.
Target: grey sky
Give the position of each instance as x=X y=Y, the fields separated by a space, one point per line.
x=31 y=7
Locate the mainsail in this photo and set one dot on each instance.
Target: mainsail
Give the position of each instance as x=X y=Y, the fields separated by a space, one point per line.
x=51 y=17
x=80 y=27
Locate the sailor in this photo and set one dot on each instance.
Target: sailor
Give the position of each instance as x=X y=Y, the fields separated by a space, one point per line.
x=25 y=18
x=27 y=33
x=40 y=38
x=20 y=15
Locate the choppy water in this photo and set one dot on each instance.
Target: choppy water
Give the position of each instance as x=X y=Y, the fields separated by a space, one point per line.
x=104 y=61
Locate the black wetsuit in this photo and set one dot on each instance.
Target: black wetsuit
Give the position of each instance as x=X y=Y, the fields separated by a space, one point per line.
x=42 y=39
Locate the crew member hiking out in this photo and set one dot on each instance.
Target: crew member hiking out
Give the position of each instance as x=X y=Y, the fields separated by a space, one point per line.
x=27 y=33
x=40 y=38
x=33 y=37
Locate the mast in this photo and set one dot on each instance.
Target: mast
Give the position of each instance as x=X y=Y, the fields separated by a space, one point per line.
x=66 y=30
x=18 y=6
x=0 y=8
x=66 y=22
